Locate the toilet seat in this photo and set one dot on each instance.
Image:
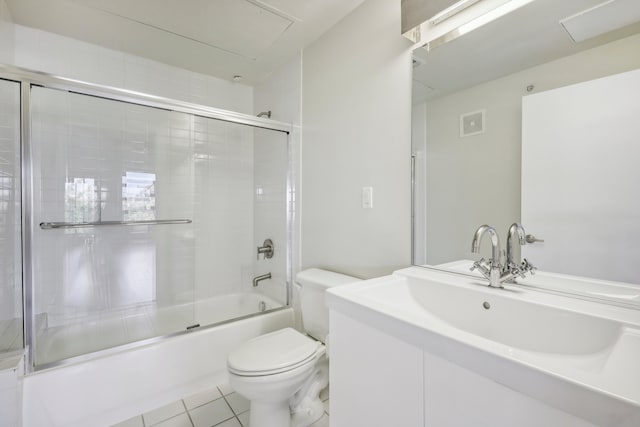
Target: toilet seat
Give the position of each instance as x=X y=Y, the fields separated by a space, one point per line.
x=274 y=353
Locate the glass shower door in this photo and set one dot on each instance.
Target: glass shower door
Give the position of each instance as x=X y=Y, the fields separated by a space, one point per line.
x=113 y=244
x=11 y=337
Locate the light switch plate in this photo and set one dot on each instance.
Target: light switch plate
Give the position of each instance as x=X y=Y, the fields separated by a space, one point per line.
x=367 y=197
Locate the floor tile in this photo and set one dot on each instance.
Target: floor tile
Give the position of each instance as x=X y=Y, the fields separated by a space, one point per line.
x=211 y=413
x=163 y=413
x=233 y=422
x=225 y=389
x=131 y=422
x=244 y=419
x=201 y=398
x=181 y=420
x=238 y=403
x=322 y=422
x=209 y=409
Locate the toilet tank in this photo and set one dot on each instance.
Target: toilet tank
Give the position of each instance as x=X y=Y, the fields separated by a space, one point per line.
x=313 y=285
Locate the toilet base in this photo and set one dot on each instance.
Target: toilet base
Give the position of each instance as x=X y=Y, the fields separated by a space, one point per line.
x=269 y=414
x=279 y=414
x=306 y=406
x=313 y=411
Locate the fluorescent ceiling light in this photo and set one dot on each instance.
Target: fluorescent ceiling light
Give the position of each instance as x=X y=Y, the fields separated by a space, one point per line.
x=476 y=23
x=492 y=15
x=451 y=10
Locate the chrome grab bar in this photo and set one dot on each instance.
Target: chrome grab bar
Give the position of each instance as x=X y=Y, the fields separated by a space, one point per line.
x=55 y=225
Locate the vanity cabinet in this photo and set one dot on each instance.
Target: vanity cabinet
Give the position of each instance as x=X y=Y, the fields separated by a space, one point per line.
x=379 y=379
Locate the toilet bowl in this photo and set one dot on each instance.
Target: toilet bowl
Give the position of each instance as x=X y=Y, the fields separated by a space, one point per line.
x=282 y=373
x=270 y=369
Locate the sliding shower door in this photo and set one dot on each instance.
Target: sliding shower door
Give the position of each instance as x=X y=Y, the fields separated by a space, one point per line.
x=10 y=246
x=113 y=242
x=145 y=222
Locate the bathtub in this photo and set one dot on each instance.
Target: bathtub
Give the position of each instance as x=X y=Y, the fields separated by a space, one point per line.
x=61 y=336
x=111 y=388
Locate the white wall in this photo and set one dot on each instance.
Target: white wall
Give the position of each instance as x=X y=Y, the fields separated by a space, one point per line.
x=476 y=180
x=356 y=118
x=6 y=35
x=67 y=57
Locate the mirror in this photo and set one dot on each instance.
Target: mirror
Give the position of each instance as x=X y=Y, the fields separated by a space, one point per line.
x=473 y=159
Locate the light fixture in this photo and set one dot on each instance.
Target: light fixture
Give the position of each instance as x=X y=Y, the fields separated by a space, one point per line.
x=484 y=17
x=451 y=10
x=492 y=15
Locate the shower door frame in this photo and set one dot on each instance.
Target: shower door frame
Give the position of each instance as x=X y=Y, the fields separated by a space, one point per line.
x=29 y=78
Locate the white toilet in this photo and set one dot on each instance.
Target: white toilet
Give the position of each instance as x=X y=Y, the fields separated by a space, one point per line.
x=283 y=372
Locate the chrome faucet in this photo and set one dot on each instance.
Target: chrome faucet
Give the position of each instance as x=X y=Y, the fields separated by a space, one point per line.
x=515 y=229
x=493 y=269
x=511 y=266
x=259 y=279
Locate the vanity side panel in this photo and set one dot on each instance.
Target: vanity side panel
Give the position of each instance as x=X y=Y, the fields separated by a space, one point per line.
x=457 y=397
x=375 y=379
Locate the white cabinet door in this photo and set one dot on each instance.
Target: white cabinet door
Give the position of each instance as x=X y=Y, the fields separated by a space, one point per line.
x=376 y=380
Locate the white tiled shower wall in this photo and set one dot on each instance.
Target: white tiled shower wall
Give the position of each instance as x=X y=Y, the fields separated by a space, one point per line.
x=281 y=95
x=270 y=219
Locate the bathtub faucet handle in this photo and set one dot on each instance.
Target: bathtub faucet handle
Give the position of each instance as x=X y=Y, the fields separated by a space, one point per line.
x=266 y=249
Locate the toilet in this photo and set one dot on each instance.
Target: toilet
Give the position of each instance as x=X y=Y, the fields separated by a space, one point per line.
x=283 y=372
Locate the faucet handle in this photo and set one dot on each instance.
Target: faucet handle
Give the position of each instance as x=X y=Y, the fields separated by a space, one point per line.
x=266 y=249
x=483 y=269
x=527 y=266
x=477 y=264
x=517 y=270
x=533 y=239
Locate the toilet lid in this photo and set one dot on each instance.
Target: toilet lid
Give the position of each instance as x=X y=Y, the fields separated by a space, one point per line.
x=273 y=352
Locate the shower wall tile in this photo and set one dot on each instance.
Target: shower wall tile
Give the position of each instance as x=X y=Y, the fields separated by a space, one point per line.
x=64 y=56
x=281 y=93
x=270 y=211
x=224 y=206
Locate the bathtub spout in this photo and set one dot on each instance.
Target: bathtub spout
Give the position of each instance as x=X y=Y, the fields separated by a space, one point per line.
x=259 y=279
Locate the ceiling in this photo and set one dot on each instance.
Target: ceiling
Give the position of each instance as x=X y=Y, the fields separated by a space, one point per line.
x=222 y=38
x=528 y=36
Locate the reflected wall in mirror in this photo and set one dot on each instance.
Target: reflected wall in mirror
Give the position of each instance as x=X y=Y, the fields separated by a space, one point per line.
x=474 y=171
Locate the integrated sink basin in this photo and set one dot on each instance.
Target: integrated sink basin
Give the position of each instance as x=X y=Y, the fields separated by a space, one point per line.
x=578 y=355
x=513 y=322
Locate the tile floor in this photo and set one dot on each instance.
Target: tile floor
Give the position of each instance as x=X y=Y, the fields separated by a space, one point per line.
x=219 y=407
